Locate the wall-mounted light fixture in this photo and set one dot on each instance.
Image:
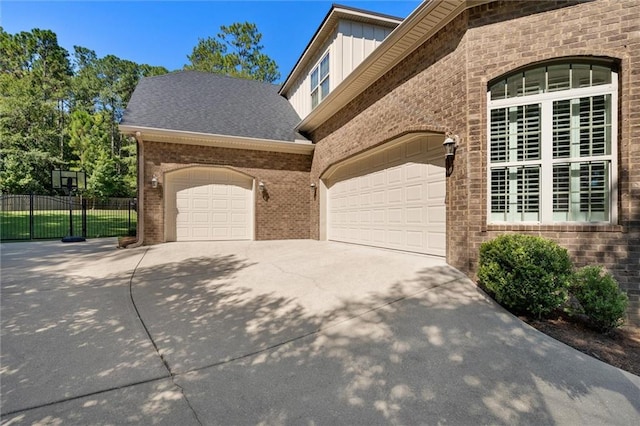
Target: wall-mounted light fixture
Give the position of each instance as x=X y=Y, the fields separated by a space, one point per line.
x=154 y=182
x=450 y=145
x=313 y=189
x=261 y=187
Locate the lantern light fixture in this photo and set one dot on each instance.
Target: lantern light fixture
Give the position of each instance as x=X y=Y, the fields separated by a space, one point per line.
x=450 y=145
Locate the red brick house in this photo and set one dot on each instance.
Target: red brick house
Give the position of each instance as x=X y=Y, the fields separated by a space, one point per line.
x=541 y=98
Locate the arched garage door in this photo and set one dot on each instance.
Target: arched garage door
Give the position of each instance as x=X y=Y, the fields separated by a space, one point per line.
x=208 y=204
x=392 y=198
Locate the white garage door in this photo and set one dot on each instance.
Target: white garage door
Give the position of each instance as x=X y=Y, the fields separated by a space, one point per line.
x=394 y=198
x=209 y=204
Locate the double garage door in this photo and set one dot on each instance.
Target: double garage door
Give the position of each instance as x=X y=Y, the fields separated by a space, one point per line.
x=393 y=198
x=209 y=204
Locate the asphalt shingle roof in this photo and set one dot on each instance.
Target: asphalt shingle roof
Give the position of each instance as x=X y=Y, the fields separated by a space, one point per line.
x=203 y=102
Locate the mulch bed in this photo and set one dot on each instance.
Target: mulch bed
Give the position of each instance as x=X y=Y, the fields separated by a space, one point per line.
x=620 y=347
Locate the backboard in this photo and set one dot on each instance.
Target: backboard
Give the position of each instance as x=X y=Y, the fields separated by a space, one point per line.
x=67 y=179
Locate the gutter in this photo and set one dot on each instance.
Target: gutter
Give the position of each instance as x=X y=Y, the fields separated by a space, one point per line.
x=222 y=141
x=140 y=224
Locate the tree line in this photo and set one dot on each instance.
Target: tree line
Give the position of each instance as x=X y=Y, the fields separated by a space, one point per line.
x=60 y=110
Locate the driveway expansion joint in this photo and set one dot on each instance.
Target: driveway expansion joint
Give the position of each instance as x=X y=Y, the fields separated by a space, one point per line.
x=170 y=373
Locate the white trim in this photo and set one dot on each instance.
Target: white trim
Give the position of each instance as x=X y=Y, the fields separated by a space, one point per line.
x=222 y=141
x=603 y=89
x=613 y=170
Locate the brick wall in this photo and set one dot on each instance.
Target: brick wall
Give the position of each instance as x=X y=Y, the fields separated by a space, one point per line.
x=283 y=211
x=442 y=86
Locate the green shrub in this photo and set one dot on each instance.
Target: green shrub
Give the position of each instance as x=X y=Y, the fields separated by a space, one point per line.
x=600 y=297
x=525 y=274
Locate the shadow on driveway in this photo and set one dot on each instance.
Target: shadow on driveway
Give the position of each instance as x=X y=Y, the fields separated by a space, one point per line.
x=312 y=332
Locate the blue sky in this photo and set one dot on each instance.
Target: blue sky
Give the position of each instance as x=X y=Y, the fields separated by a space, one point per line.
x=165 y=32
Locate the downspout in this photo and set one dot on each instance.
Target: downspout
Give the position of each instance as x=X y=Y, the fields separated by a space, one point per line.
x=140 y=227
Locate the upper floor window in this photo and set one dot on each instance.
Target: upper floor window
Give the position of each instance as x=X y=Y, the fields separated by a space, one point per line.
x=320 y=81
x=552 y=145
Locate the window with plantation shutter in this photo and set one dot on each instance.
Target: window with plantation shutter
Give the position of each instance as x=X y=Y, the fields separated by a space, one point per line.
x=552 y=147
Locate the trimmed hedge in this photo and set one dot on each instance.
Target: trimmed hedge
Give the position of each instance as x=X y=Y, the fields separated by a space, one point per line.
x=600 y=297
x=526 y=274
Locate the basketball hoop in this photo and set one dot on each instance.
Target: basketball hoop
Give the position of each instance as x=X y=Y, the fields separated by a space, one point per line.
x=69 y=181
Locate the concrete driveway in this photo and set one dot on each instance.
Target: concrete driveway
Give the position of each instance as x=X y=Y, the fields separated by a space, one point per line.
x=278 y=332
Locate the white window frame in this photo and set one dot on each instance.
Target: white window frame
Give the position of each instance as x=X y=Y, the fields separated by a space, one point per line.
x=321 y=80
x=547 y=161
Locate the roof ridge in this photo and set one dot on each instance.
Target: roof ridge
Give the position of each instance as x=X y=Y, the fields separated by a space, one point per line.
x=214 y=74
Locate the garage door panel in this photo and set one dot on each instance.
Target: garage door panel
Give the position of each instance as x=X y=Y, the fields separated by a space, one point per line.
x=395 y=216
x=237 y=191
x=414 y=172
x=239 y=204
x=378 y=197
x=182 y=232
x=239 y=233
x=415 y=192
x=365 y=217
x=182 y=203
x=437 y=215
x=394 y=176
x=353 y=217
x=379 y=216
x=415 y=215
x=239 y=218
x=220 y=233
x=394 y=195
x=365 y=199
x=365 y=183
x=393 y=199
x=378 y=179
x=437 y=241
x=199 y=217
x=199 y=203
x=220 y=218
x=436 y=190
x=415 y=239
x=220 y=190
x=395 y=237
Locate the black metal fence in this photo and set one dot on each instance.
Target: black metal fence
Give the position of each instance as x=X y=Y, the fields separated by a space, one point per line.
x=33 y=217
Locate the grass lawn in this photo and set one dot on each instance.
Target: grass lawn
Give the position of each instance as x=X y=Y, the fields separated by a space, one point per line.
x=55 y=224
